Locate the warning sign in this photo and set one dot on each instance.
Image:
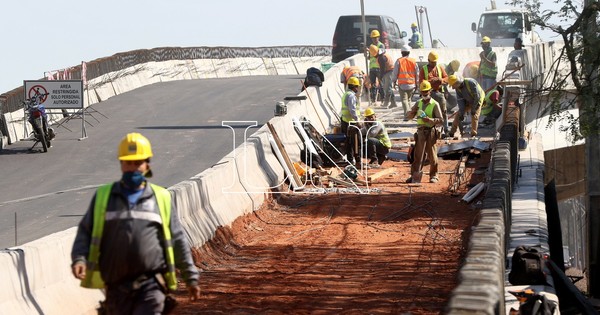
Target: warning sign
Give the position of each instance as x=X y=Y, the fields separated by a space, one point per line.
x=65 y=94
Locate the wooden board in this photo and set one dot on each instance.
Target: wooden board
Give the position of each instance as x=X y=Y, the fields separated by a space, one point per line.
x=295 y=180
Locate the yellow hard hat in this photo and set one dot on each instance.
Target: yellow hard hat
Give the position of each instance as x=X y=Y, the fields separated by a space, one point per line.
x=454 y=64
x=425 y=86
x=353 y=81
x=433 y=56
x=369 y=112
x=134 y=147
x=486 y=39
x=452 y=79
x=374 y=33
x=373 y=50
x=414 y=24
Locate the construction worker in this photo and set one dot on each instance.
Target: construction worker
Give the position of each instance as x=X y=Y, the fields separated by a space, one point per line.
x=376 y=90
x=350 y=120
x=386 y=72
x=436 y=75
x=352 y=71
x=416 y=40
x=429 y=115
x=470 y=98
x=377 y=139
x=130 y=239
x=491 y=105
x=488 y=70
x=452 y=67
x=406 y=72
x=471 y=70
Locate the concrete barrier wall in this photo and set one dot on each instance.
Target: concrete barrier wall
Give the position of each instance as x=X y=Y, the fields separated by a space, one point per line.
x=236 y=185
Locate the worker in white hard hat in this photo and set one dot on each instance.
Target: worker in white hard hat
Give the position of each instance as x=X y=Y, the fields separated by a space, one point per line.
x=406 y=72
x=377 y=139
x=130 y=240
x=351 y=120
x=429 y=116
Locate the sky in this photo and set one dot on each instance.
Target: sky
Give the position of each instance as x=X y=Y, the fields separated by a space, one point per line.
x=45 y=35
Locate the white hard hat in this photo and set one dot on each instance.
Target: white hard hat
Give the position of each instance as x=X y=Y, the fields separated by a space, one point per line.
x=405 y=48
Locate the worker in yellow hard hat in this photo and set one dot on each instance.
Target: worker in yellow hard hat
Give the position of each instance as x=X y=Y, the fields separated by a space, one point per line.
x=377 y=139
x=488 y=69
x=351 y=120
x=130 y=240
x=429 y=116
x=416 y=40
x=356 y=72
x=386 y=72
x=470 y=97
x=436 y=75
x=375 y=90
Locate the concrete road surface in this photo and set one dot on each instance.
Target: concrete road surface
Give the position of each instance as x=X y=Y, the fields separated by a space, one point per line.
x=48 y=192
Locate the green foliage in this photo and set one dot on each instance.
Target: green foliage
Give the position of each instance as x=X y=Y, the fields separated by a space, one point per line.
x=581 y=54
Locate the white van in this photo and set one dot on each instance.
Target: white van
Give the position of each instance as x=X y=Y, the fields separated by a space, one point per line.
x=502 y=26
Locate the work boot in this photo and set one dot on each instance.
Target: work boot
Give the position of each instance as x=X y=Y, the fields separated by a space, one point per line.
x=433 y=179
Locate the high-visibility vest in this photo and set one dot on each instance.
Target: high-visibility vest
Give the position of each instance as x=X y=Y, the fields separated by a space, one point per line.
x=93 y=279
x=487 y=70
x=487 y=103
x=419 y=42
x=428 y=111
x=389 y=64
x=352 y=71
x=474 y=95
x=373 y=60
x=383 y=136
x=346 y=116
x=406 y=70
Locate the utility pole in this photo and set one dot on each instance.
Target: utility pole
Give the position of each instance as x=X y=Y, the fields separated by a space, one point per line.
x=592 y=156
x=364 y=26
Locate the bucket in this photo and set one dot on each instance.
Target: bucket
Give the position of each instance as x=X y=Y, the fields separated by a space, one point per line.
x=280 y=109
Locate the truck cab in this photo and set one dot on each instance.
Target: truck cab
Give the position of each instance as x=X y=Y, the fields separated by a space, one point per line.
x=502 y=26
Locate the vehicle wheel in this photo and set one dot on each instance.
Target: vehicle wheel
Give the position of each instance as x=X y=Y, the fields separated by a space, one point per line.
x=43 y=140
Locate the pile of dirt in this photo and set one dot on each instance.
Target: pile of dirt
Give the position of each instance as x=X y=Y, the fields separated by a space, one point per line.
x=395 y=249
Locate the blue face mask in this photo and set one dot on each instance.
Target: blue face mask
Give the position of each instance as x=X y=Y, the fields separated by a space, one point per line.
x=133 y=179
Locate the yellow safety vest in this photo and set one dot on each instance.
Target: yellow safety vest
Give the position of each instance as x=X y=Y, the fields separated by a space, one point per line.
x=383 y=137
x=346 y=116
x=488 y=70
x=428 y=111
x=373 y=60
x=487 y=103
x=93 y=279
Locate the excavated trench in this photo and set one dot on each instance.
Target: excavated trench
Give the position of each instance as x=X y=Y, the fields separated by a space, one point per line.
x=395 y=250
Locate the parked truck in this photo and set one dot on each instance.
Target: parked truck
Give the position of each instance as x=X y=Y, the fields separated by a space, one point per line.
x=502 y=26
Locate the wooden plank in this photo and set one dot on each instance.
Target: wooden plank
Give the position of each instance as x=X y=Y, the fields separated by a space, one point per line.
x=341 y=181
x=286 y=157
x=382 y=173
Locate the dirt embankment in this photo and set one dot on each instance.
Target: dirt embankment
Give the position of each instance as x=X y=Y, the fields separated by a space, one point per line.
x=395 y=250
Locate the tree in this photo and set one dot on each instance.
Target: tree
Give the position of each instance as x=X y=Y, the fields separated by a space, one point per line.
x=580 y=56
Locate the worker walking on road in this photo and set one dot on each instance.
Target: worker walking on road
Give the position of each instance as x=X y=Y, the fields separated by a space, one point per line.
x=488 y=69
x=436 y=75
x=386 y=68
x=470 y=98
x=130 y=239
x=349 y=72
x=374 y=73
x=350 y=120
x=428 y=114
x=377 y=139
x=406 y=71
x=416 y=40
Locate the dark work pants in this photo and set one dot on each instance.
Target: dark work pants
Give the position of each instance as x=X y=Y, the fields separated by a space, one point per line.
x=148 y=299
x=376 y=150
x=351 y=133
